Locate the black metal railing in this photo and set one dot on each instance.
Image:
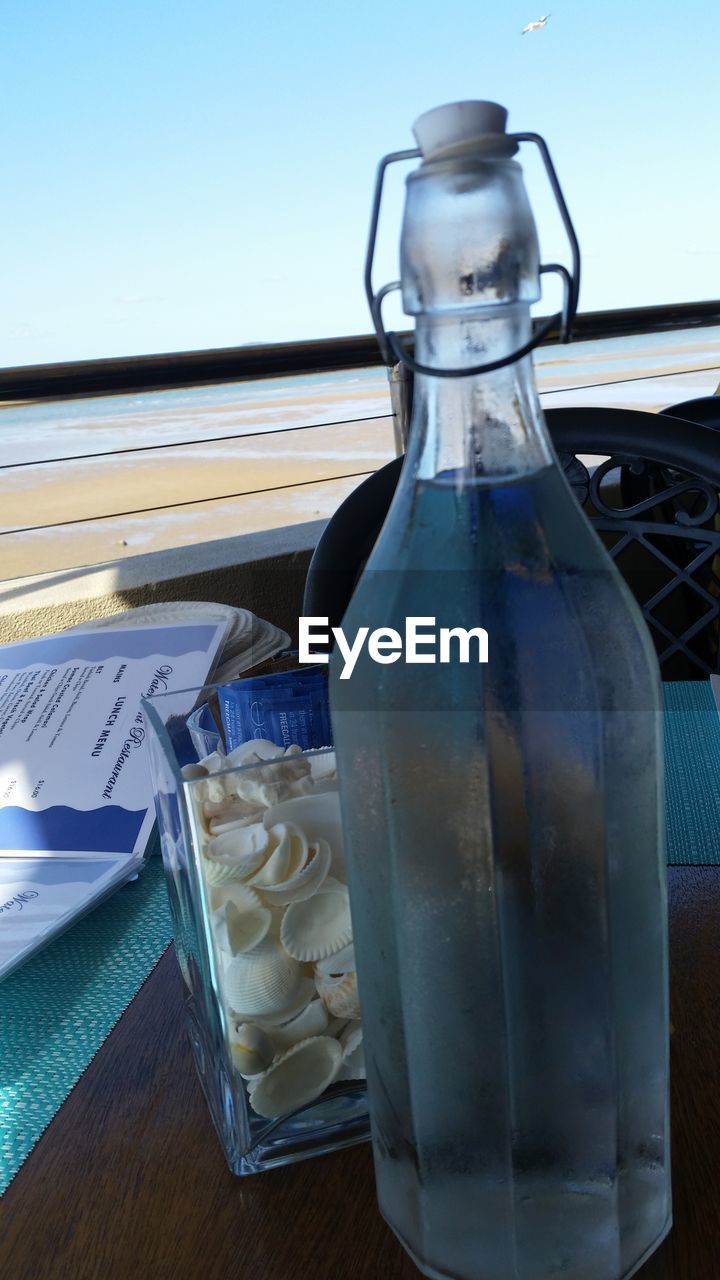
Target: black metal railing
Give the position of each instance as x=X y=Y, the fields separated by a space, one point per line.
x=235 y=364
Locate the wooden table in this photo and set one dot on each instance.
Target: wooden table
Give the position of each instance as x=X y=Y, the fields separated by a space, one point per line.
x=129 y=1180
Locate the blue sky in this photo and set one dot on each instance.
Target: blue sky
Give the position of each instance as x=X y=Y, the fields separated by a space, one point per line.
x=183 y=175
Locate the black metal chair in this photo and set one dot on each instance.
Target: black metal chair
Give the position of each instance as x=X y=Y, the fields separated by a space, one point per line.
x=705 y=410
x=659 y=521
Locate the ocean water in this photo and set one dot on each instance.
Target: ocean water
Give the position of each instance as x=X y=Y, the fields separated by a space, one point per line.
x=108 y=477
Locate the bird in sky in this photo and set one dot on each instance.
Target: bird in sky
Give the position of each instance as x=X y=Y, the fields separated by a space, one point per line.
x=535 y=26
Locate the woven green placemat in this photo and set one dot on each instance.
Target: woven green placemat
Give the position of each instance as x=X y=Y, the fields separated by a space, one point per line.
x=56 y=1011
x=692 y=774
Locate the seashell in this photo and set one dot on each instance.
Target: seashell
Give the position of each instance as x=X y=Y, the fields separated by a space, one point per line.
x=318 y=817
x=213 y=794
x=316 y=927
x=239 y=931
x=262 y=982
x=228 y=807
x=244 y=899
x=353 y=1063
x=296 y=1078
x=252 y=751
x=289 y=855
x=336 y=1026
x=312 y=1021
x=304 y=882
x=220 y=873
x=323 y=767
x=339 y=994
x=240 y=850
x=306 y=993
x=340 y=961
x=191 y=772
x=251 y=1048
x=270 y=781
x=214 y=762
x=234 y=816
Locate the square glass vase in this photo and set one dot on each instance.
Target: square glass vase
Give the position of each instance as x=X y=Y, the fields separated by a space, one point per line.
x=253 y=860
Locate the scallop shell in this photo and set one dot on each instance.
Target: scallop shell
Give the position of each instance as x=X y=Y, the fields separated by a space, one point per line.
x=191 y=772
x=318 y=817
x=251 y=1048
x=245 y=899
x=214 y=762
x=297 y=1077
x=340 y=961
x=353 y=1063
x=312 y=1021
x=289 y=856
x=262 y=982
x=305 y=994
x=339 y=994
x=260 y=748
x=236 y=853
x=239 y=931
x=237 y=814
x=323 y=767
x=273 y=780
x=306 y=881
x=318 y=926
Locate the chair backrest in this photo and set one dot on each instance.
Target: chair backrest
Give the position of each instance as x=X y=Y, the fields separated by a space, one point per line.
x=705 y=410
x=659 y=522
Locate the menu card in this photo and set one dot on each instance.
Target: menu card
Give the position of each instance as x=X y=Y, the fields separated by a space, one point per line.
x=76 y=799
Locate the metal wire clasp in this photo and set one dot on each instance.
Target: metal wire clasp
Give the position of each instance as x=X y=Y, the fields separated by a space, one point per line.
x=390 y=344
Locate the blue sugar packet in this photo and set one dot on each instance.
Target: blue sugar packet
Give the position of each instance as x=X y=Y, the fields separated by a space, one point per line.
x=287 y=708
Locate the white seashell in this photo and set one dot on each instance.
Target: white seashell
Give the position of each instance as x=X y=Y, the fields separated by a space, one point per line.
x=271 y=781
x=304 y=882
x=191 y=772
x=318 y=817
x=244 y=899
x=214 y=762
x=213 y=794
x=312 y=1021
x=336 y=1026
x=221 y=873
x=239 y=931
x=340 y=962
x=296 y=1078
x=353 y=1063
x=262 y=982
x=259 y=748
x=229 y=808
x=323 y=767
x=251 y=1048
x=239 y=849
x=289 y=855
x=246 y=816
x=339 y=994
x=318 y=926
x=305 y=994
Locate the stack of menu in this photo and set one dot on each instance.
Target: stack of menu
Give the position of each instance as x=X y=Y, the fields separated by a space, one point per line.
x=76 y=798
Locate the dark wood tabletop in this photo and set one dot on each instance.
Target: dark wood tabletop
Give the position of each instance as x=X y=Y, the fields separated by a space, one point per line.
x=129 y=1180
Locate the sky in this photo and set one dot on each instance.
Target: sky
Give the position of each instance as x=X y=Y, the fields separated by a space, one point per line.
x=181 y=176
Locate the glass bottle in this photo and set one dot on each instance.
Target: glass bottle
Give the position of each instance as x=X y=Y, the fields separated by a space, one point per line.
x=503 y=819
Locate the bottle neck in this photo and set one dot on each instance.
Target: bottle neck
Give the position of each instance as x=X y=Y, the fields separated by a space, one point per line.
x=486 y=428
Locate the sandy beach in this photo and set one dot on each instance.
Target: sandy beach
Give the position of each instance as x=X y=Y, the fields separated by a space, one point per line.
x=102 y=478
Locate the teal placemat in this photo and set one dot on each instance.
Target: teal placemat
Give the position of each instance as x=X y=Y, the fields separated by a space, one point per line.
x=56 y=1011
x=692 y=774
